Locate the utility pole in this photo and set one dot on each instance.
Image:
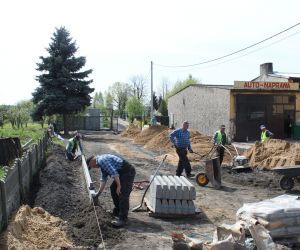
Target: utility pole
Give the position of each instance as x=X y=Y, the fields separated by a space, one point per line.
x=151 y=90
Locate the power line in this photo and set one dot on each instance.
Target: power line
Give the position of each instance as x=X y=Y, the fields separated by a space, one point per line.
x=237 y=57
x=232 y=53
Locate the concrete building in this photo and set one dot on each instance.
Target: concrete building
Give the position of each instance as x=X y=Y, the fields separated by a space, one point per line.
x=271 y=99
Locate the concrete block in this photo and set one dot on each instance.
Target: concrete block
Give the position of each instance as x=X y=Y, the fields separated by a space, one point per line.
x=156 y=189
x=185 y=207
x=191 y=207
x=177 y=187
x=178 y=207
x=164 y=206
x=192 y=190
x=156 y=204
x=165 y=188
x=185 y=188
x=172 y=207
x=171 y=187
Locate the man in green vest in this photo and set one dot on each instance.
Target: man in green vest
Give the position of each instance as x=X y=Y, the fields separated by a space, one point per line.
x=220 y=138
x=265 y=134
x=73 y=145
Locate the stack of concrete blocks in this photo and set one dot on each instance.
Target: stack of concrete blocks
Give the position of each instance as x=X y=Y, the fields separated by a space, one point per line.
x=172 y=195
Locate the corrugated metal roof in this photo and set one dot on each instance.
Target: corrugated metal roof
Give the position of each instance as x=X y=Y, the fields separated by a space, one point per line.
x=285 y=75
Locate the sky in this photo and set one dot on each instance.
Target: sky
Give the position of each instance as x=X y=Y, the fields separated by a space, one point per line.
x=120 y=38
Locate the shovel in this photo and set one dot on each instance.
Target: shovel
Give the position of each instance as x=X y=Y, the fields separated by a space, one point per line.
x=135 y=209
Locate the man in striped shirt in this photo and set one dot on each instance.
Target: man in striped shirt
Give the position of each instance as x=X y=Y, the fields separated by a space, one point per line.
x=123 y=174
x=181 y=140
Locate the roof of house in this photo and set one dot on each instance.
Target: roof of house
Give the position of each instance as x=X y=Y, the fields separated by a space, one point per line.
x=285 y=75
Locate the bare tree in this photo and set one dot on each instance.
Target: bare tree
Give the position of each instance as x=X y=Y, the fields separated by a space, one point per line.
x=139 y=86
x=120 y=93
x=165 y=83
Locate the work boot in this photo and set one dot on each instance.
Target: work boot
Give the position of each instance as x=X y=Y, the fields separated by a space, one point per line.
x=190 y=175
x=118 y=223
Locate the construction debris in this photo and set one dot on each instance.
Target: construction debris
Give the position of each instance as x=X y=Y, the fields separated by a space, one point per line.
x=273 y=153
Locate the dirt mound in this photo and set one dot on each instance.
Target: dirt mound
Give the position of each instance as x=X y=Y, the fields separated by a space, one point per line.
x=201 y=144
x=273 y=153
x=63 y=193
x=148 y=133
x=36 y=229
x=131 y=132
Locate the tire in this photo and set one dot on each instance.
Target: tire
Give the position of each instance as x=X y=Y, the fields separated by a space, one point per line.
x=202 y=179
x=286 y=183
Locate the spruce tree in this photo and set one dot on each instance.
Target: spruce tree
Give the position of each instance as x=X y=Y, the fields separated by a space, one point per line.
x=64 y=89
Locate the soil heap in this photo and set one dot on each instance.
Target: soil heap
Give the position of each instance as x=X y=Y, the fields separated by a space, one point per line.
x=273 y=153
x=148 y=133
x=131 y=132
x=35 y=229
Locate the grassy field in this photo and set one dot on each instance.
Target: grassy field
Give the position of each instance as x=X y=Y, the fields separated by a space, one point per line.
x=33 y=131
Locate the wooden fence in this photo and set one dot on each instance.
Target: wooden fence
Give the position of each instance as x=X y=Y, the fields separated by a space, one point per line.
x=15 y=188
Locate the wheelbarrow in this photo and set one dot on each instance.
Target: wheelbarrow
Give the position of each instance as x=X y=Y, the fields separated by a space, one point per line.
x=212 y=170
x=290 y=174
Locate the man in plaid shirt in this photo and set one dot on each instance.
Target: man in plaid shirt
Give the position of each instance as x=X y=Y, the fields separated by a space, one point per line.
x=181 y=140
x=123 y=174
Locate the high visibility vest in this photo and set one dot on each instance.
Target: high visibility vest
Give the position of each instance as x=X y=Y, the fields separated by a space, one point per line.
x=74 y=143
x=263 y=136
x=219 y=137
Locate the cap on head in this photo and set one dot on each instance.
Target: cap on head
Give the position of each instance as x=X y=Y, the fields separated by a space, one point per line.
x=262 y=126
x=88 y=160
x=222 y=126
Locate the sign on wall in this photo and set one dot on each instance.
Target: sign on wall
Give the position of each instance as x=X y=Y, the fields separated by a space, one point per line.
x=266 y=85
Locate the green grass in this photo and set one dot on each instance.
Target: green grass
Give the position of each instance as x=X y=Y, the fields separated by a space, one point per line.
x=33 y=131
x=1 y=173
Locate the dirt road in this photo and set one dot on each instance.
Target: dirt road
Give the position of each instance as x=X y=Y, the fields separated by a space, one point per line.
x=217 y=206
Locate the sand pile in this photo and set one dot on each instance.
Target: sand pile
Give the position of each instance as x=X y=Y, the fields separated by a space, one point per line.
x=201 y=144
x=273 y=153
x=131 y=132
x=148 y=133
x=35 y=229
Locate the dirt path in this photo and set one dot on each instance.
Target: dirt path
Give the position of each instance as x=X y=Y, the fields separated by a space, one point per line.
x=218 y=206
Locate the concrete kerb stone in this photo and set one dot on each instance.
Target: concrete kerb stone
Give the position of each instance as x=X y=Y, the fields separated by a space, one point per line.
x=171 y=188
x=192 y=190
x=177 y=186
x=164 y=186
x=88 y=180
x=156 y=188
x=185 y=188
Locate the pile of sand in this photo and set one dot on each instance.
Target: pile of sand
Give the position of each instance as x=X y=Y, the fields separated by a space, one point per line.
x=131 y=132
x=35 y=229
x=148 y=133
x=273 y=153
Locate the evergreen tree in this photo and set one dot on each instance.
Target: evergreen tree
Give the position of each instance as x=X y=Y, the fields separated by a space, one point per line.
x=163 y=108
x=155 y=101
x=63 y=88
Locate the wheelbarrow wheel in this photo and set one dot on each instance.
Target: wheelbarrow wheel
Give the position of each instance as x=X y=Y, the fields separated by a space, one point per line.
x=286 y=183
x=202 y=179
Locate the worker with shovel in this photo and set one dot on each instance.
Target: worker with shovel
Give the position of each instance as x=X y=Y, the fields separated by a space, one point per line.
x=181 y=140
x=73 y=146
x=220 y=139
x=123 y=174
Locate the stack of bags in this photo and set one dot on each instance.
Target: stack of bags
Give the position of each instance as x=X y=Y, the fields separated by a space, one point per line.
x=280 y=215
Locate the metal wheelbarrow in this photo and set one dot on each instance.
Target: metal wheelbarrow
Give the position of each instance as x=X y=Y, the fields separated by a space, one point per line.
x=290 y=174
x=212 y=170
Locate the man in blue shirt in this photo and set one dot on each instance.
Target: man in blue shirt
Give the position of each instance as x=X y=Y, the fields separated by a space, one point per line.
x=181 y=140
x=123 y=174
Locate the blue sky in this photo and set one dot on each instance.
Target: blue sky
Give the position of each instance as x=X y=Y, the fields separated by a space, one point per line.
x=120 y=38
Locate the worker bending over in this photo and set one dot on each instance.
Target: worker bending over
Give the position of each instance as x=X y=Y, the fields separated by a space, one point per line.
x=181 y=140
x=220 y=139
x=73 y=145
x=265 y=134
x=123 y=174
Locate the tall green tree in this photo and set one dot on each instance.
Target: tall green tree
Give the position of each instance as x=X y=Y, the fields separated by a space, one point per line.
x=98 y=100
x=134 y=107
x=155 y=101
x=163 y=108
x=121 y=92
x=64 y=89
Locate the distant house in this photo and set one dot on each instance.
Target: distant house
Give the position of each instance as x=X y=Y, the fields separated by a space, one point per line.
x=269 y=99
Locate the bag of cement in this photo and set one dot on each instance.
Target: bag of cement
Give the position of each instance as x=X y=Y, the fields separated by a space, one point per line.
x=261 y=237
x=279 y=223
x=226 y=244
x=237 y=231
x=291 y=231
x=283 y=206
